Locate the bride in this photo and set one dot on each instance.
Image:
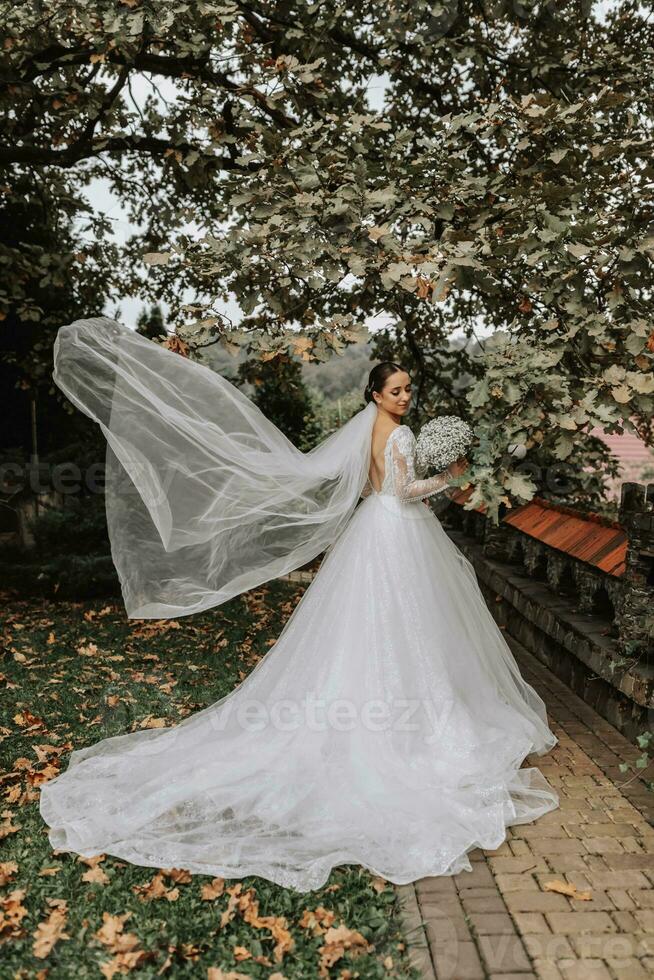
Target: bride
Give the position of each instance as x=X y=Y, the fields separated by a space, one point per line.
x=388 y=724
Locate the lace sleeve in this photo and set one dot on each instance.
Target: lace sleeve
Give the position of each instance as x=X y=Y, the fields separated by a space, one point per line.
x=405 y=484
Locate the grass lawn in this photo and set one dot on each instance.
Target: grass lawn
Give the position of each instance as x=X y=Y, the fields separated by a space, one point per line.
x=74 y=673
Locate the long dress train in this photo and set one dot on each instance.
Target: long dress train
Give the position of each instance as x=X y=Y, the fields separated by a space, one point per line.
x=386 y=727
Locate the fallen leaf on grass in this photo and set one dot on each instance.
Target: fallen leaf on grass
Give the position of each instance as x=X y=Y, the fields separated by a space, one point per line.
x=317 y=920
x=36 y=777
x=121 y=944
x=241 y=953
x=564 y=888
x=246 y=903
x=49 y=872
x=51 y=930
x=12 y=912
x=123 y=963
x=90 y=650
x=179 y=875
x=155 y=628
x=30 y=794
x=33 y=778
x=95 y=876
x=42 y=752
x=150 y=722
x=213 y=890
x=111 y=934
x=7 y=827
x=92 y=614
x=339 y=941
x=92 y=862
x=28 y=721
x=156 y=888
x=7 y=871
x=13 y=794
x=22 y=764
x=190 y=952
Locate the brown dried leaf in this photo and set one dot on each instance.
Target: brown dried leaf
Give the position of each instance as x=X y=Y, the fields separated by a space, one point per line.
x=155 y=889
x=7 y=827
x=213 y=890
x=179 y=875
x=25 y=719
x=7 y=871
x=14 y=794
x=338 y=941
x=123 y=963
x=92 y=862
x=12 y=912
x=150 y=722
x=379 y=884
x=565 y=888
x=95 y=876
x=317 y=920
x=43 y=752
x=90 y=650
x=51 y=930
x=111 y=934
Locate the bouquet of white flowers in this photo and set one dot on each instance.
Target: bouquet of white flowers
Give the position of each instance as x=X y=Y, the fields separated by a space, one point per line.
x=441 y=442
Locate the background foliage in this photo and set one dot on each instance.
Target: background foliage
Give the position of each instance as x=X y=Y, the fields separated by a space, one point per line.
x=505 y=182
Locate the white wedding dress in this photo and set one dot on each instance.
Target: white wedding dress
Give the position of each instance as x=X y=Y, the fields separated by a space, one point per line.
x=386 y=727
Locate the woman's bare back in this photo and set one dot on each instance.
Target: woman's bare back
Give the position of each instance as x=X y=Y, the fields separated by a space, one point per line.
x=376 y=472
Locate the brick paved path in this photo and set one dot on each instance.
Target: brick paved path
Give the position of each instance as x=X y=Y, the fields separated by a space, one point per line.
x=500 y=921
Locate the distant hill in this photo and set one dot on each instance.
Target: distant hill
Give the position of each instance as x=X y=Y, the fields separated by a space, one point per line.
x=340 y=375
x=337 y=377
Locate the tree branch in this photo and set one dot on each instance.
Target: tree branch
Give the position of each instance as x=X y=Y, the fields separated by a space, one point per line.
x=84 y=149
x=58 y=57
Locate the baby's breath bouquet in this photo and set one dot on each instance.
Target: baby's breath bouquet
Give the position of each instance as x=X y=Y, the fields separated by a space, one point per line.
x=441 y=442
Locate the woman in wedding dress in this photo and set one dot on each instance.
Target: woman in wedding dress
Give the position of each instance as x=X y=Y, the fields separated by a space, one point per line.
x=387 y=725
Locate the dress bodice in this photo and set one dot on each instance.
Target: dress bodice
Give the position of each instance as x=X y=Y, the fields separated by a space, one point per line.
x=400 y=471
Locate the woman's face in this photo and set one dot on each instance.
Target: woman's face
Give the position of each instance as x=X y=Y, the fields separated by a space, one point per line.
x=395 y=396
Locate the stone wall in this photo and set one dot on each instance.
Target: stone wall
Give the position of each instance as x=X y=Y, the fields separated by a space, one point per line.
x=593 y=630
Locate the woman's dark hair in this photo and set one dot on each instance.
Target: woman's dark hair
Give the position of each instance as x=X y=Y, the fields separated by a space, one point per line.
x=379 y=376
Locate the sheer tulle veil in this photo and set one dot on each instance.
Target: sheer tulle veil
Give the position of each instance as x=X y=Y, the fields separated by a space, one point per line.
x=205 y=497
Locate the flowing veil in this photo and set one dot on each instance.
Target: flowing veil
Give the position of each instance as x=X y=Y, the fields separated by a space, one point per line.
x=205 y=497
